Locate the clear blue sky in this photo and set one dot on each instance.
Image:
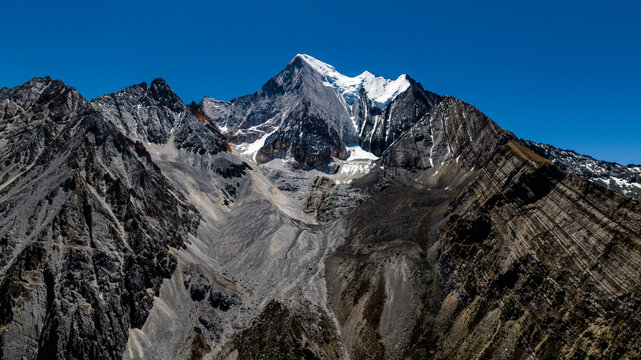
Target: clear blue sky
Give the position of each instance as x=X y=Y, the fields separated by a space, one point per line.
x=566 y=73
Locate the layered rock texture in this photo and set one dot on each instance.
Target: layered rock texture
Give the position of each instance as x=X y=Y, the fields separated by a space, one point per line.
x=323 y=217
x=617 y=177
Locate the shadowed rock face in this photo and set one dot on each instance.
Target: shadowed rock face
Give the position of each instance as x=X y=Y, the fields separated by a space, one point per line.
x=279 y=334
x=127 y=230
x=86 y=226
x=380 y=129
x=306 y=137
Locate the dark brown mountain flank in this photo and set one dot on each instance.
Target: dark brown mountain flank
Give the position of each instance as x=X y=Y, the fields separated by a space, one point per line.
x=514 y=259
x=323 y=217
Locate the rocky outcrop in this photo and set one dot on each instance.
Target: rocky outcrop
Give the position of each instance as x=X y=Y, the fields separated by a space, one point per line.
x=32 y=115
x=136 y=113
x=86 y=228
x=280 y=334
x=526 y=243
x=155 y=114
x=617 y=177
x=380 y=128
x=453 y=130
x=305 y=137
x=517 y=259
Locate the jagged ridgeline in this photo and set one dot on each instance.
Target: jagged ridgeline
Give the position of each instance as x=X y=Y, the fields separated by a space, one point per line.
x=322 y=217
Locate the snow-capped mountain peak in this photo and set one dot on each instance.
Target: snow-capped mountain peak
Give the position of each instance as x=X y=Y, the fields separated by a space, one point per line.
x=311 y=112
x=382 y=91
x=379 y=90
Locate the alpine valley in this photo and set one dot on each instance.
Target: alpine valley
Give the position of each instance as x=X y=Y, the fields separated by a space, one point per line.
x=322 y=217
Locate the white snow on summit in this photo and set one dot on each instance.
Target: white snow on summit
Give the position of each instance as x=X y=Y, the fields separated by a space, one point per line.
x=379 y=90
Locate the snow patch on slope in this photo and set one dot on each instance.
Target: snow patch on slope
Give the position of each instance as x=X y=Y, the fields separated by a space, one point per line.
x=250 y=149
x=380 y=91
x=357 y=153
x=353 y=169
x=359 y=163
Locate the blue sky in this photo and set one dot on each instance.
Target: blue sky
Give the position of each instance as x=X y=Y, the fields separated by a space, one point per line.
x=567 y=73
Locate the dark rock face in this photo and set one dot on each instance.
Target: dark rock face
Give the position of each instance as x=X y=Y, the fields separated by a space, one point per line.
x=381 y=128
x=624 y=179
x=201 y=288
x=155 y=113
x=507 y=262
x=279 y=334
x=453 y=129
x=32 y=116
x=305 y=137
x=87 y=222
x=136 y=111
x=530 y=274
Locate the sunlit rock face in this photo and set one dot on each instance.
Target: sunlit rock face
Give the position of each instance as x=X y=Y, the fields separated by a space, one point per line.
x=323 y=217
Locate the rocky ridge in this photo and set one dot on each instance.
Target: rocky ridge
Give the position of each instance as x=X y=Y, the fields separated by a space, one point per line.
x=87 y=222
x=617 y=177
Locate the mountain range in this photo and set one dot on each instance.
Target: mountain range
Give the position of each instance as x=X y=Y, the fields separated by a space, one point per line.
x=322 y=217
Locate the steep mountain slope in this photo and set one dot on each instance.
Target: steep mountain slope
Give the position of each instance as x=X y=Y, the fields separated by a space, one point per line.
x=624 y=179
x=87 y=221
x=504 y=256
x=135 y=226
x=252 y=244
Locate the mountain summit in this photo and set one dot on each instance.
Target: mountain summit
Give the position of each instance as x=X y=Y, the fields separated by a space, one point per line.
x=380 y=91
x=338 y=110
x=322 y=217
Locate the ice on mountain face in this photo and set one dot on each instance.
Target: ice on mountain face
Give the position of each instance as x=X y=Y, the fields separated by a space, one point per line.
x=250 y=149
x=357 y=153
x=359 y=163
x=380 y=91
x=351 y=169
x=616 y=177
x=625 y=185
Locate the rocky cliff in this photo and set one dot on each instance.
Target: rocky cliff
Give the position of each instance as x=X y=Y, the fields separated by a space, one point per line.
x=87 y=225
x=504 y=256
